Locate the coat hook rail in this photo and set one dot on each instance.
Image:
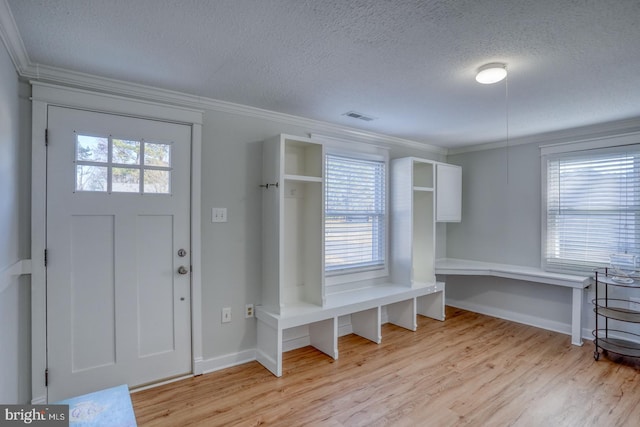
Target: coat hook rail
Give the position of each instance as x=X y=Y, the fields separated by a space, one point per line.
x=270 y=185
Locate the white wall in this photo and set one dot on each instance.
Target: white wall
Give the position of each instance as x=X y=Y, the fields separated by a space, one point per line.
x=15 y=361
x=501 y=206
x=501 y=223
x=231 y=252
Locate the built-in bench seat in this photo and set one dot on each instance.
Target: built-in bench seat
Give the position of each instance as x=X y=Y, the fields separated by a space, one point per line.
x=364 y=305
x=453 y=266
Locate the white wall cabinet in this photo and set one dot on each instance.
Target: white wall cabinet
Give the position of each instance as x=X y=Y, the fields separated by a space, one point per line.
x=292 y=224
x=448 y=193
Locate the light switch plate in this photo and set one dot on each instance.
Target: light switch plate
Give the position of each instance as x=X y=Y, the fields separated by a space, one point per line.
x=218 y=214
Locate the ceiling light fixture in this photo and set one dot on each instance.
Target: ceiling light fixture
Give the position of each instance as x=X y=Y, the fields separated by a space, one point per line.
x=491 y=73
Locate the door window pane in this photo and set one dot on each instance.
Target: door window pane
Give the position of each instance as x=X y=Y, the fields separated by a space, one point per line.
x=92 y=148
x=91 y=178
x=157 y=154
x=125 y=180
x=157 y=181
x=126 y=152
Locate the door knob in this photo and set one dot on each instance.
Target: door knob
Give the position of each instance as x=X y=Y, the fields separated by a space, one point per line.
x=182 y=269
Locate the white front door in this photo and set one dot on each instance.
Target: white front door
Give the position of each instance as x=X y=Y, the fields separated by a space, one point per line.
x=118 y=251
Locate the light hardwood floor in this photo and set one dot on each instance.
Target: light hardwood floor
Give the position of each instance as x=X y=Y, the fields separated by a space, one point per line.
x=469 y=370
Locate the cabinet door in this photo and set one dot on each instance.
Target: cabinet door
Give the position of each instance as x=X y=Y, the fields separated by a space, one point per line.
x=448 y=193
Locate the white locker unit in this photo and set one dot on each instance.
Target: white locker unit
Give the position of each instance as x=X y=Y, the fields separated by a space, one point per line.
x=292 y=225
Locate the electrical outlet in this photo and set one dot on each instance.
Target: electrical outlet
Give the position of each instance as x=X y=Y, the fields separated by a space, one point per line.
x=248 y=311
x=226 y=315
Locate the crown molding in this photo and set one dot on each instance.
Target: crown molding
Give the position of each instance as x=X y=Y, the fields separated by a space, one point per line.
x=11 y=38
x=58 y=76
x=564 y=136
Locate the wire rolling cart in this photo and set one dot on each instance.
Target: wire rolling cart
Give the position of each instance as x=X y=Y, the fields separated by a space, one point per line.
x=616 y=303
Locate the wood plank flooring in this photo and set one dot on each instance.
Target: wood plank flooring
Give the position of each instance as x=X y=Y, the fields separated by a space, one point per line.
x=470 y=370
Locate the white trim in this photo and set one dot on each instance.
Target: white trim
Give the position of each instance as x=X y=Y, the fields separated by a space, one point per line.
x=17 y=269
x=629 y=138
x=11 y=38
x=227 y=361
x=47 y=94
x=85 y=99
x=44 y=73
x=295 y=343
x=363 y=142
x=38 y=244
x=597 y=131
x=196 y=247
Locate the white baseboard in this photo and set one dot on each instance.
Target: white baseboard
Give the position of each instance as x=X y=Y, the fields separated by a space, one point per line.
x=549 y=325
x=226 y=361
x=197 y=366
x=345 y=330
x=294 y=343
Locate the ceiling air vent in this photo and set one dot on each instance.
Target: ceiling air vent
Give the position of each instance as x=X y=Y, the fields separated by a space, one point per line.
x=359 y=116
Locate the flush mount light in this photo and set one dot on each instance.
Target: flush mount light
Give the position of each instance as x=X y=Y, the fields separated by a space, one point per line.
x=491 y=73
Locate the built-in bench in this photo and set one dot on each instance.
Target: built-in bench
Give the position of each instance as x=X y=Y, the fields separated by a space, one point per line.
x=364 y=305
x=465 y=267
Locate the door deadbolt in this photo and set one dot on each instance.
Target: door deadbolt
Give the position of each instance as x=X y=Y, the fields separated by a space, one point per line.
x=182 y=269
x=182 y=253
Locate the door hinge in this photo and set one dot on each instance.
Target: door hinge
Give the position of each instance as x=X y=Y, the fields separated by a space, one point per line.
x=46 y=137
x=46 y=377
x=45 y=257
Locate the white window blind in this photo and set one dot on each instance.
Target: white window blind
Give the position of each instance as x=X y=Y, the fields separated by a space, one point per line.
x=593 y=208
x=355 y=214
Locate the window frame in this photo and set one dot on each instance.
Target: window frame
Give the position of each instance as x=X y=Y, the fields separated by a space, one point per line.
x=612 y=144
x=357 y=274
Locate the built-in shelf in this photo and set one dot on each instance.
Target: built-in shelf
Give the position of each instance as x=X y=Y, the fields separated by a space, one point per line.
x=294 y=293
x=413 y=221
x=465 y=267
x=303 y=178
x=293 y=229
x=422 y=188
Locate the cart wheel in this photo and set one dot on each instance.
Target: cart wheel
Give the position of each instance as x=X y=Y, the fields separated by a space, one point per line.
x=596 y=355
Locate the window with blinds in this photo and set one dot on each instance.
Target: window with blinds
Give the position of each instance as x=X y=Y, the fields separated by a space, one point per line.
x=592 y=209
x=355 y=215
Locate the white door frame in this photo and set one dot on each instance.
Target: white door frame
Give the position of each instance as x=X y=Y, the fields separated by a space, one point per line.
x=43 y=95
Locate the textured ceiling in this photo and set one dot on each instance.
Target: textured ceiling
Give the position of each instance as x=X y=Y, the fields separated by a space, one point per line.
x=410 y=64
